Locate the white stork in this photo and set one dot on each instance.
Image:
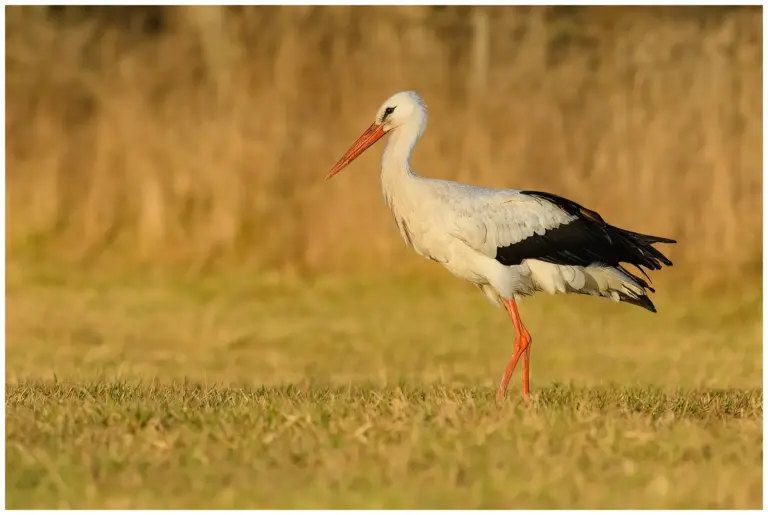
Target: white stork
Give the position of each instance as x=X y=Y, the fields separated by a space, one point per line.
x=508 y=243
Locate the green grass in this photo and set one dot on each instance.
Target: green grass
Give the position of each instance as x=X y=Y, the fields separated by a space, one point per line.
x=340 y=394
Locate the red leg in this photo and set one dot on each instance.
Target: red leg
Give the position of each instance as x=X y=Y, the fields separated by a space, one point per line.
x=522 y=348
x=527 y=365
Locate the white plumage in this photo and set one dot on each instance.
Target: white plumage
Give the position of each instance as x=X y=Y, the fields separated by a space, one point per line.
x=509 y=243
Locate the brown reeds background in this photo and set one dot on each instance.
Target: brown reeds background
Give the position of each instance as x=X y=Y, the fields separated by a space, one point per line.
x=192 y=137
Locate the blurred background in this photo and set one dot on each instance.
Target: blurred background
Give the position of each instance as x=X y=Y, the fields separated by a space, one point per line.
x=196 y=138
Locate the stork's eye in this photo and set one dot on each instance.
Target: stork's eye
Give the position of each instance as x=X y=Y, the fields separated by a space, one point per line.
x=388 y=111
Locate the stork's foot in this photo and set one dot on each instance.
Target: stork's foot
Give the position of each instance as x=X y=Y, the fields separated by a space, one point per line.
x=501 y=394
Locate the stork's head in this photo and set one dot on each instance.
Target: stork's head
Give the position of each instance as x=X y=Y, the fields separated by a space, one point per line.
x=398 y=110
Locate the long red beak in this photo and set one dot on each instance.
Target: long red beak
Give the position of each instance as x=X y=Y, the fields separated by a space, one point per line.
x=371 y=135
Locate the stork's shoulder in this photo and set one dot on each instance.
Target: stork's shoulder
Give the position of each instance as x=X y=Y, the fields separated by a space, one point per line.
x=494 y=205
x=486 y=219
x=468 y=196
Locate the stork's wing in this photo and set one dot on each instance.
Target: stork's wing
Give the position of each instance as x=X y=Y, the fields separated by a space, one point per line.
x=513 y=226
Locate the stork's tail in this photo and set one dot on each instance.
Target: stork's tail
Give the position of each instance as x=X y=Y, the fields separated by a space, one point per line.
x=639 y=252
x=618 y=284
x=641 y=300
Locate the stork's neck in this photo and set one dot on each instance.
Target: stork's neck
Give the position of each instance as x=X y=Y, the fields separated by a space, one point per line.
x=399 y=184
x=396 y=170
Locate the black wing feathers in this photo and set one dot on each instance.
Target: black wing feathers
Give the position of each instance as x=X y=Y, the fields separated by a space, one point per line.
x=585 y=241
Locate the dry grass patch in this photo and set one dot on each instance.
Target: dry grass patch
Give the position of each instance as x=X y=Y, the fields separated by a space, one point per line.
x=333 y=393
x=184 y=445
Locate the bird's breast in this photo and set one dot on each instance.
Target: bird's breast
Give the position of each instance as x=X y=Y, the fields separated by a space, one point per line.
x=421 y=237
x=418 y=222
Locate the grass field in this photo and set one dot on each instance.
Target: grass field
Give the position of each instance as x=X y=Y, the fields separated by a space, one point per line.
x=264 y=392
